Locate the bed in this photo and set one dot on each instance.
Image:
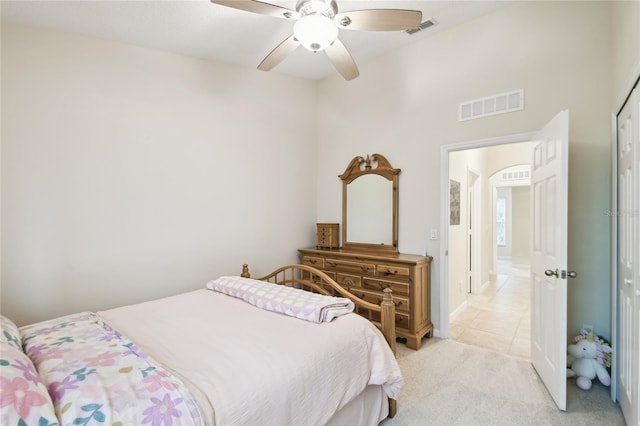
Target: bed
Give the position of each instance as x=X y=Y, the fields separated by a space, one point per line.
x=239 y=351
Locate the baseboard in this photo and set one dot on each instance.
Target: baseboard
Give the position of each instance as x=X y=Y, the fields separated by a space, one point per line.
x=436 y=332
x=457 y=311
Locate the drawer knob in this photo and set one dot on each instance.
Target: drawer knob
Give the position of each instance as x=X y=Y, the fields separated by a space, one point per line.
x=313 y=261
x=332 y=264
x=364 y=268
x=390 y=272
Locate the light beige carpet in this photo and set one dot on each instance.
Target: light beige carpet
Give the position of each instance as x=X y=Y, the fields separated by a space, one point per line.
x=451 y=383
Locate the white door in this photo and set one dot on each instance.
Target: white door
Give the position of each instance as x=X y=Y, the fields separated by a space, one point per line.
x=549 y=256
x=628 y=136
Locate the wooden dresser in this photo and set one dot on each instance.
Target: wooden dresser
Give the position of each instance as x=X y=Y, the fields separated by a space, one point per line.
x=367 y=274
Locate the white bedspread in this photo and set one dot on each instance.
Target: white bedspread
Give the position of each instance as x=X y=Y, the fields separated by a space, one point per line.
x=228 y=353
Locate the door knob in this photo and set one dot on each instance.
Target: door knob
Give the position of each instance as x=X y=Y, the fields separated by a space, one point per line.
x=551 y=273
x=564 y=274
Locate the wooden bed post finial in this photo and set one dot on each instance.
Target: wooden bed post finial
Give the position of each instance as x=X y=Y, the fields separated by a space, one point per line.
x=245 y=271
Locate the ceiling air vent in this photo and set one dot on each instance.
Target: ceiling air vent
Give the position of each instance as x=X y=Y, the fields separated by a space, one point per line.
x=426 y=24
x=491 y=105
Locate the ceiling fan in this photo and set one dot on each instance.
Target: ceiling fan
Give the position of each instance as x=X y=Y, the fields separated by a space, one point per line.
x=316 y=28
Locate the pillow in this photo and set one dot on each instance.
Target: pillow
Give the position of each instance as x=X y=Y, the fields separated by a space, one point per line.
x=10 y=333
x=25 y=400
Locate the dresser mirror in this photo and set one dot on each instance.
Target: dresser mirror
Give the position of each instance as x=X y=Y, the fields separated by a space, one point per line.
x=370 y=204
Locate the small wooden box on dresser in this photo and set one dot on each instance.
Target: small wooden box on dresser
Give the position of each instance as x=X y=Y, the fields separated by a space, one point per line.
x=368 y=274
x=328 y=235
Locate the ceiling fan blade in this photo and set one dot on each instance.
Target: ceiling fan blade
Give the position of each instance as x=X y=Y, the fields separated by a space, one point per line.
x=379 y=19
x=278 y=54
x=342 y=60
x=259 y=7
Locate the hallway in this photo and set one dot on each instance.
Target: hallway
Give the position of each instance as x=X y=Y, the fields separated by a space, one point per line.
x=498 y=317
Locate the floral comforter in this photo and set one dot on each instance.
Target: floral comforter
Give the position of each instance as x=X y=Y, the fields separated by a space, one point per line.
x=95 y=375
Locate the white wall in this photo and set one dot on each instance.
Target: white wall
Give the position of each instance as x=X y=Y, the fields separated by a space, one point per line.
x=625 y=47
x=459 y=165
x=130 y=173
x=521 y=225
x=404 y=105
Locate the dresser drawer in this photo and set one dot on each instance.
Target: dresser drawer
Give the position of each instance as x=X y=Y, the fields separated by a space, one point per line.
x=316 y=262
x=402 y=303
x=350 y=266
x=392 y=271
x=316 y=279
x=398 y=288
x=402 y=319
x=350 y=282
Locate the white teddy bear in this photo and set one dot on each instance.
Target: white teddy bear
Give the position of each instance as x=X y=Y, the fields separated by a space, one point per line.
x=588 y=359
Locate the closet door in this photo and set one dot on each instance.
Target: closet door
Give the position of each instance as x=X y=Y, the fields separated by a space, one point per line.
x=628 y=257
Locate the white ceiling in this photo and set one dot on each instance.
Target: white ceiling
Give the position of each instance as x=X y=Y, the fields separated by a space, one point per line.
x=205 y=30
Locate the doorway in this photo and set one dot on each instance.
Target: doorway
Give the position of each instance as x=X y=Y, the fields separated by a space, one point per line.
x=495 y=312
x=549 y=216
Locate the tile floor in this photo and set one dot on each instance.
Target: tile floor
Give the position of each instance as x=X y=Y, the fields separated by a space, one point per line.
x=498 y=317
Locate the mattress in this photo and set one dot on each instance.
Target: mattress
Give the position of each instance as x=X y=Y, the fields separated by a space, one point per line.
x=245 y=365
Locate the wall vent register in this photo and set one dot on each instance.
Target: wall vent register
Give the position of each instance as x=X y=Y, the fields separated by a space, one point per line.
x=423 y=26
x=491 y=105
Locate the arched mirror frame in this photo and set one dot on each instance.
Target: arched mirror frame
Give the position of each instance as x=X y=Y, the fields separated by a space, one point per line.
x=358 y=167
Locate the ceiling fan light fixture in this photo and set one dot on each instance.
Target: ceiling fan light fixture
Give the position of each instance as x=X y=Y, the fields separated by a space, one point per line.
x=328 y=8
x=317 y=26
x=315 y=32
